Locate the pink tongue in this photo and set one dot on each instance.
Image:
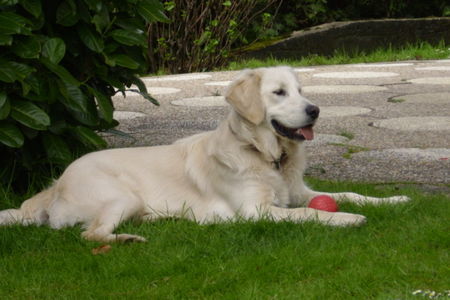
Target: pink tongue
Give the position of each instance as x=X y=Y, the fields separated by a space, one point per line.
x=307 y=132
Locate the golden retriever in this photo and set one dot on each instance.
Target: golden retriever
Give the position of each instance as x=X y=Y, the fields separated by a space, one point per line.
x=250 y=167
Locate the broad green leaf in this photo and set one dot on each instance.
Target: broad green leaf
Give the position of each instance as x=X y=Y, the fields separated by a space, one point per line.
x=10 y=135
x=25 y=88
x=152 y=11
x=124 y=61
x=101 y=20
x=6 y=40
x=34 y=7
x=38 y=23
x=131 y=24
x=129 y=38
x=83 y=11
x=56 y=148
x=113 y=81
x=80 y=107
x=110 y=48
x=446 y=11
x=5 y=73
x=26 y=47
x=60 y=71
x=11 y=23
x=5 y=110
x=143 y=90
x=11 y=71
x=90 y=38
x=89 y=137
x=54 y=49
x=5 y=107
x=121 y=134
x=104 y=104
x=3 y=98
x=34 y=83
x=66 y=13
x=95 y=5
x=58 y=127
x=29 y=115
x=90 y=118
x=109 y=61
x=8 y=2
x=73 y=97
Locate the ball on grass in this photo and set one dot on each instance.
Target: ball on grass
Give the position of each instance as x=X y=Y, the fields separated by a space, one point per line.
x=324 y=202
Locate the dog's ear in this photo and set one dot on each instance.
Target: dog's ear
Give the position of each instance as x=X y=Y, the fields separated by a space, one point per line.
x=244 y=95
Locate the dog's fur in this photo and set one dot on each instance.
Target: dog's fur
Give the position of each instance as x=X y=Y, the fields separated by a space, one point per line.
x=246 y=168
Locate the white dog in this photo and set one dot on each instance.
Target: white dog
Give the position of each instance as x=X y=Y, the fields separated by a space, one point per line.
x=250 y=167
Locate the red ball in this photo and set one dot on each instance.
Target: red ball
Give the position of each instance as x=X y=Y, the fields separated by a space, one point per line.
x=324 y=202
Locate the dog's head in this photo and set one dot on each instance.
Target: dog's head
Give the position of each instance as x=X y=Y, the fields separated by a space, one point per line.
x=272 y=97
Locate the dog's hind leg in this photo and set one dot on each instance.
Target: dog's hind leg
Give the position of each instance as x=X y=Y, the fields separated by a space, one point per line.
x=105 y=222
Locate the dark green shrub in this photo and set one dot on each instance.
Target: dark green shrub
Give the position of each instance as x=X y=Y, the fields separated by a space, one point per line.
x=60 y=63
x=288 y=16
x=298 y=14
x=369 y=9
x=201 y=33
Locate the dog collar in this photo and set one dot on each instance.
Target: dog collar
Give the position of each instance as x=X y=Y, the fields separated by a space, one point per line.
x=277 y=163
x=280 y=161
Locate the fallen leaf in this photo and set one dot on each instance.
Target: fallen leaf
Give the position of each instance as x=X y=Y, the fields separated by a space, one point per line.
x=101 y=250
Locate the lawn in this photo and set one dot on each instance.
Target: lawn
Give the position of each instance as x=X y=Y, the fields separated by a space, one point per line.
x=419 y=51
x=401 y=249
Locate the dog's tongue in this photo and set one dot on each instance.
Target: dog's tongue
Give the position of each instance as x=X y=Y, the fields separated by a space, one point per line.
x=307 y=132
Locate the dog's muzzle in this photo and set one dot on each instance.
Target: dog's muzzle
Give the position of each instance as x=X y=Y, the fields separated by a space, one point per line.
x=302 y=133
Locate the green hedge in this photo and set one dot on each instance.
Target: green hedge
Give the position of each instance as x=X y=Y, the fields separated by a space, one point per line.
x=293 y=15
x=60 y=63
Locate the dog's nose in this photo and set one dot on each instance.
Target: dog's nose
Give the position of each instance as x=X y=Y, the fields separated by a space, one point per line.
x=312 y=111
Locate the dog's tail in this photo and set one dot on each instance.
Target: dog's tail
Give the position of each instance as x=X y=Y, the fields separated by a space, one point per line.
x=32 y=211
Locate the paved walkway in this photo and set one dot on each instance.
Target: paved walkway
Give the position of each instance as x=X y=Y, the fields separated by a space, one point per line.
x=383 y=122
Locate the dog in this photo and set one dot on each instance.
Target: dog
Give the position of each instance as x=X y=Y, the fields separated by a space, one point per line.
x=250 y=167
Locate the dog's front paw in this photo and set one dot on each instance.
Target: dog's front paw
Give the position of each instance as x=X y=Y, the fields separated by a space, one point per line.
x=346 y=219
x=398 y=199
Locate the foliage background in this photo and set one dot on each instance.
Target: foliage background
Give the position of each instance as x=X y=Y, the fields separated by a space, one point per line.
x=293 y=15
x=60 y=63
x=201 y=34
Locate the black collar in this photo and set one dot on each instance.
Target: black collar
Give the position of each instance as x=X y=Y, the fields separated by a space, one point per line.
x=278 y=163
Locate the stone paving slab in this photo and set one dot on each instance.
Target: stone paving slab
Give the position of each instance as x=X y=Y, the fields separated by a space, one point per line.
x=382 y=122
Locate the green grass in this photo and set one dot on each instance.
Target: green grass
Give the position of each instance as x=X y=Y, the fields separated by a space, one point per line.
x=396 y=100
x=401 y=249
x=347 y=134
x=420 y=51
x=351 y=149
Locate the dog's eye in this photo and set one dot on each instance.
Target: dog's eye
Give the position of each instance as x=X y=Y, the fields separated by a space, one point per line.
x=280 y=92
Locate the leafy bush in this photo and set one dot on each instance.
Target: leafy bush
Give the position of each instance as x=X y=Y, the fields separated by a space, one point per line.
x=352 y=9
x=297 y=14
x=201 y=33
x=60 y=63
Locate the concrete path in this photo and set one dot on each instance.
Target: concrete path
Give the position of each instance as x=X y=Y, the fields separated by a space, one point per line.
x=382 y=122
